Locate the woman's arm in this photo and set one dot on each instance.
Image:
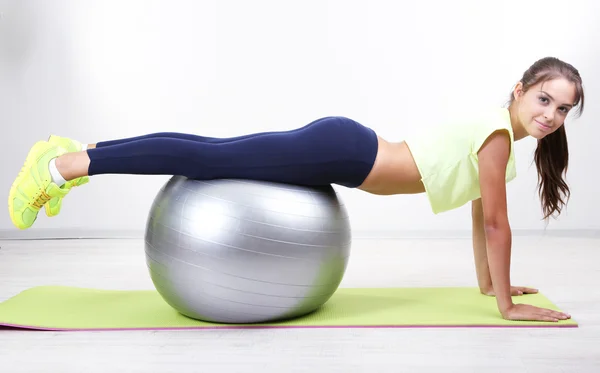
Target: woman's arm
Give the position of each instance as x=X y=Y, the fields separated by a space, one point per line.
x=493 y=158
x=480 y=248
x=482 y=268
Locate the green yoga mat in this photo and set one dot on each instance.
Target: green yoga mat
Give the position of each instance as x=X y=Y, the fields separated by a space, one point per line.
x=69 y=308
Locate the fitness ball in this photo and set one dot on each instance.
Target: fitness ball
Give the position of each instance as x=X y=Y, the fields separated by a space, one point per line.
x=245 y=251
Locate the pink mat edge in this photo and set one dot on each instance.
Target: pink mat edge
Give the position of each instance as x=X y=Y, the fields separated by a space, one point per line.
x=35 y=328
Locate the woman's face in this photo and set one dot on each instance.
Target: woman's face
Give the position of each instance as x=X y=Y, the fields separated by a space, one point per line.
x=544 y=107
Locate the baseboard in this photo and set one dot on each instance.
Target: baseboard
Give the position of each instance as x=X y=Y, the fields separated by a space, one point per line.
x=46 y=234
x=425 y=234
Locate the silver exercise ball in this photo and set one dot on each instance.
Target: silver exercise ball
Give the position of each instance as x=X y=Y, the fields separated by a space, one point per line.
x=243 y=251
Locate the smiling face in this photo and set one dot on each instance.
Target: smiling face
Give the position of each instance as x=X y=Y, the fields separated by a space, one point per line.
x=543 y=108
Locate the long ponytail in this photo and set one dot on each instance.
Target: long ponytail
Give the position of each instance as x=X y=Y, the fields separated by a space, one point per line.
x=552 y=161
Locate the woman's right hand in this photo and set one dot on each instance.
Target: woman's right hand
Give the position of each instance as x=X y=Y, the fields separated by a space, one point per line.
x=526 y=312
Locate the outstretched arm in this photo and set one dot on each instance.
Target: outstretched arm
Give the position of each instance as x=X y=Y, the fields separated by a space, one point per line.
x=493 y=158
x=482 y=268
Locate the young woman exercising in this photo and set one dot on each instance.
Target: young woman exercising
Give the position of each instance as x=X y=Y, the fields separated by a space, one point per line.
x=469 y=161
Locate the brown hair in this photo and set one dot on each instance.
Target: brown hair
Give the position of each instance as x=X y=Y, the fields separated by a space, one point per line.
x=552 y=152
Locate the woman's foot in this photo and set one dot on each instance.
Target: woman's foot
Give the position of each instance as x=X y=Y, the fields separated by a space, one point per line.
x=54 y=205
x=34 y=187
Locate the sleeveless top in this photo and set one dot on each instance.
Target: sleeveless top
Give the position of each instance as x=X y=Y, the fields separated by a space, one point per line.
x=446 y=157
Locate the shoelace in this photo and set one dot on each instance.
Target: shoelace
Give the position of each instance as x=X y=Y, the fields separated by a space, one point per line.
x=41 y=200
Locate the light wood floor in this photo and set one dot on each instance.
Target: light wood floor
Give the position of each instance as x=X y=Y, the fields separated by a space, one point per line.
x=567 y=270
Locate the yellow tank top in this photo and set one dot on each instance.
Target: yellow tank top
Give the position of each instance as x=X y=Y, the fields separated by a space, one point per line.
x=447 y=157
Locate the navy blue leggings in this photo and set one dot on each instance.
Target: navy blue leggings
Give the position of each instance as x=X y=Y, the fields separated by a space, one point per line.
x=331 y=150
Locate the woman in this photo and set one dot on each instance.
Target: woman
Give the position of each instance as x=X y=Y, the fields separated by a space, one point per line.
x=469 y=161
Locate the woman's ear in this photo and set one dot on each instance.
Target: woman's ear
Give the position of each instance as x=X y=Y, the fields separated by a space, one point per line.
x=518 y=91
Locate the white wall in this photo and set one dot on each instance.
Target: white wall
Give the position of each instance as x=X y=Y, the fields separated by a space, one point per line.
x=97 y=70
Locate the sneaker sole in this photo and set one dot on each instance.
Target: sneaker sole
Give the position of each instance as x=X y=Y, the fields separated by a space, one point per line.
x=29 y=163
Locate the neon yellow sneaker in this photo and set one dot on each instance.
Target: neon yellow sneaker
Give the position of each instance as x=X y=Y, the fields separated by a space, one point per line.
x=55 y=204
x=33 y=186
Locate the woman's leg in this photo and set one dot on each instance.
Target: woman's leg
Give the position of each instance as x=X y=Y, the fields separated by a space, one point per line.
x=76 y=164
x=330 y=150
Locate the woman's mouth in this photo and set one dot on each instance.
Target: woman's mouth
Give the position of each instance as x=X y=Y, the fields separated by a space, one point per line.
x=542 y=125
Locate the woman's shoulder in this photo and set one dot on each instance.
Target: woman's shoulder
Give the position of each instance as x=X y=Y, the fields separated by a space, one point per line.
x=486 y=122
